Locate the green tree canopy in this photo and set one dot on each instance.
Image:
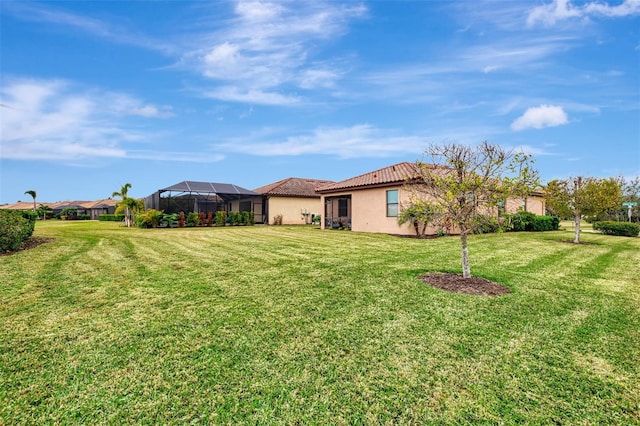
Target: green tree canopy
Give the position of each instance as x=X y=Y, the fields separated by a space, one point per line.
x=578 y=196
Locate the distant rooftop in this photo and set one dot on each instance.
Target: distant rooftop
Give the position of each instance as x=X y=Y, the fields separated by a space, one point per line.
x=293 y=187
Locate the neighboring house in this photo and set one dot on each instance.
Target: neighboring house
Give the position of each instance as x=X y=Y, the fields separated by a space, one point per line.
x=92 y=208
x=204 y=197
x=20 y=205
x=371 y=202
x=293 y=199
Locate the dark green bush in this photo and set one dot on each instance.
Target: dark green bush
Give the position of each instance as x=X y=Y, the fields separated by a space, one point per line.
x=521 y=221
x=525 y=221
x=545 y=223
x=84 y=217
x=111 y=217
x=483 y=224
x=15 y=228
x=621 y=229
x=234 y=218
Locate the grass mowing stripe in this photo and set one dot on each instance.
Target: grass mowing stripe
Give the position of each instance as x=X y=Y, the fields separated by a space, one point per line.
x=286 y=325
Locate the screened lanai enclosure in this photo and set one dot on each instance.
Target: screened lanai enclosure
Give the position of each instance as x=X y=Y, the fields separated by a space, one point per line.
x=205 y=197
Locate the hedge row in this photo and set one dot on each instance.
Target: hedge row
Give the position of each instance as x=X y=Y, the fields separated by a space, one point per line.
x=111 y=217
x=621 y=229
x=525 y=221
x=16 y=227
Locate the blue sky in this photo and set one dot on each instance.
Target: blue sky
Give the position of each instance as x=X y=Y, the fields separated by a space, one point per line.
x=97 y=94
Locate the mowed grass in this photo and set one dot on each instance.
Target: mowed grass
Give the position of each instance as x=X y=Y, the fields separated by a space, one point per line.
x=294 y=325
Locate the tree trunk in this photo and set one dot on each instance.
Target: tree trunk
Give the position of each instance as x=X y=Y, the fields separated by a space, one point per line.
x=466 y=271
x=576 y=234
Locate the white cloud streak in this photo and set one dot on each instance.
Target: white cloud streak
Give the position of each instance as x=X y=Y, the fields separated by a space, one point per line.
x=45 y=14
x=55 y=120
x=562 y=10
x=358 y=141
x=540 y=117
x=267 y=46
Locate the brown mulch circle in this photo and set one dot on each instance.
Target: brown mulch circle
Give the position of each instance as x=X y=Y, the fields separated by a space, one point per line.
x=454 y=283
x=29 y=244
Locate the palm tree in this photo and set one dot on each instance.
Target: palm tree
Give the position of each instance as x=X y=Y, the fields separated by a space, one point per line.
x=123 y=194
x=33 y=195
x=130 y=206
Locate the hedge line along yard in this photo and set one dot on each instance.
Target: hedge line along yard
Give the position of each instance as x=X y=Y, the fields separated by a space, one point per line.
x=293 y=325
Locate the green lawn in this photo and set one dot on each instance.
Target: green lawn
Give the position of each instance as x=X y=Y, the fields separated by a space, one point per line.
x=293 y=325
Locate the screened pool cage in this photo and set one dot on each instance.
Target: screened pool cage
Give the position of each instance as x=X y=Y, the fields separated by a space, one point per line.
x=206 y=197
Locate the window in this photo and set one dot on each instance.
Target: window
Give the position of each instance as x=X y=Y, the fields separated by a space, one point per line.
x=392 y=203
x=343 y=207
x=245 y=206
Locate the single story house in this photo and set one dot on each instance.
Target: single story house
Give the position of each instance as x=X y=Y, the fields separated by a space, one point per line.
x=92 y=208
x=205 y=197
x=291 y=201
x=371 y=202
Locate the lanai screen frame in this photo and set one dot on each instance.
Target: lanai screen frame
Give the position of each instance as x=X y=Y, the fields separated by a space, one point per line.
x=219 y=194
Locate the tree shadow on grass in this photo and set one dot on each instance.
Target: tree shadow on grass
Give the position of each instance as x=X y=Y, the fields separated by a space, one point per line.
x=28 y=245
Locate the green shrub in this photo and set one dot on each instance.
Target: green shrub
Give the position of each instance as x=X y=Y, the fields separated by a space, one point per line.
x=621 y=229
x=233 y=218
x=148 y=219
x=526 y=221
x=84 y=217
x=69 y=213
x=244 y=218
x=520 y=221
x=168 y=220
x=193 y=219
x=221 y=218
x=111 y=217
x=484 y=224
x=544 y=223
x=15 y=228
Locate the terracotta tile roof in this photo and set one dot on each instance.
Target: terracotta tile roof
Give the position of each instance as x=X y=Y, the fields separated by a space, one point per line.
x=293 y=187
x=396 y=173
x=20 y=205
x=28 y=205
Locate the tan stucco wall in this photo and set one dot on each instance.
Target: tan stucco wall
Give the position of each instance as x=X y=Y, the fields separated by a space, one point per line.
x=534 y=204
x=291 y=209
x=369 y=210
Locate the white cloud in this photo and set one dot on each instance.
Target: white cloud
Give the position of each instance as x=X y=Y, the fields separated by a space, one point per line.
x=560 y=10
x=189 y=157
x=266 y=46
x=45 y=14
x=252 y=96
x=540 y=117
x=56 y=120
x=626 y=8
x=357 y=141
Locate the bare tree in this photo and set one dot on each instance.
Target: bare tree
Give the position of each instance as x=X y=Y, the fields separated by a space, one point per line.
x=466 y=181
